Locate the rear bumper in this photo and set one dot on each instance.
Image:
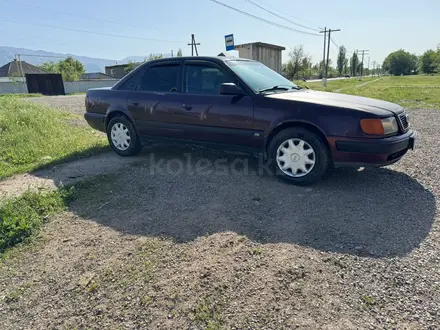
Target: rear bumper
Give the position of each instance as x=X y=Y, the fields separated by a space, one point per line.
x=95 y=120
x=371 y=152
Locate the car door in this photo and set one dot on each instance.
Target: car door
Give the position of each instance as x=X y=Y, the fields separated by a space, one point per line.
x=156 y=103
x=209 y=116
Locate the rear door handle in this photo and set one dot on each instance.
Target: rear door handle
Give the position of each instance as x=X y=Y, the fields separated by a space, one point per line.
x=136 y=104
x=187 y=107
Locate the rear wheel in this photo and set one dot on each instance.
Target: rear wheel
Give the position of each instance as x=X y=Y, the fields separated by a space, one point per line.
x=299 y=156
x=122 y=137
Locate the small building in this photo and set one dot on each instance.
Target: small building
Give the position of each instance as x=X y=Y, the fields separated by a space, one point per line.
x=13 y=69
x=268 y=54
x=116 y=71
x=95 y=76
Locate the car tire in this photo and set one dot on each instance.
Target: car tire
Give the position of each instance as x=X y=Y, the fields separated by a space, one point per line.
x=123 y=137
x=299 y=156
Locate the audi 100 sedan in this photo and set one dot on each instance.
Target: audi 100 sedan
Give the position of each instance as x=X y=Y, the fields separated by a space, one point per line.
x=239 y=104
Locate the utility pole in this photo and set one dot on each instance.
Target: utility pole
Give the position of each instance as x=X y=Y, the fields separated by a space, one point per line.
x=172 y=54
x=369 y=64
x=194 y=45
x=324 y=81
x=363 y=53
x=328 y=50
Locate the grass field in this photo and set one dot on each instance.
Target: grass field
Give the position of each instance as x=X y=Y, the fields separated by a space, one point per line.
x=409 y=91
x=33 y=135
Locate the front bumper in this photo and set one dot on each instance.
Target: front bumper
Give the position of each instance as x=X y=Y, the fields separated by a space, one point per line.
x=371 y=152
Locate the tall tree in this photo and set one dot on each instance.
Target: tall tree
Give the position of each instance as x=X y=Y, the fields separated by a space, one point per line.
x=354 y=64
x=70 y=69
x=430 y=61
x=179 y=53
x=400 y=62
x=341 y=59
x=299 y=62
x=346 y=66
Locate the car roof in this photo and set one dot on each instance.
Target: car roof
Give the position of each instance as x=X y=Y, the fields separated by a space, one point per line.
x=202 y=58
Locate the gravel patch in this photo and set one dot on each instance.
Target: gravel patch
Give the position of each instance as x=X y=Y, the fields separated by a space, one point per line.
x=74 y=104
x=193 y=239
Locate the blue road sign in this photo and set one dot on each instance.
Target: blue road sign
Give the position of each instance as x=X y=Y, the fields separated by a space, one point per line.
x=229 y=41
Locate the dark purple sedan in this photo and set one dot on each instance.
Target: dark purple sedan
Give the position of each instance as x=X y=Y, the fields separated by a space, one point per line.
x=242 y=104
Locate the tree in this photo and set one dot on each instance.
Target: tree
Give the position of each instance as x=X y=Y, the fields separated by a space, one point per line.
x=400 y=62
x=155 y=57
x=131 y=66
x=50 y=67
x=346 y=66
x=430 y=61
x=341 y=59
x=179 y=53
x=354 y=64
x=298 y=63
x=70 y=69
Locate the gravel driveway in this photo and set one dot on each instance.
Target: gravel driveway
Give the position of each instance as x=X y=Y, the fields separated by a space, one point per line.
x=194 y=239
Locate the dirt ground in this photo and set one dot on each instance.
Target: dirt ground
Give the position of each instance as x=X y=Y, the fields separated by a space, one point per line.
x=195 y=239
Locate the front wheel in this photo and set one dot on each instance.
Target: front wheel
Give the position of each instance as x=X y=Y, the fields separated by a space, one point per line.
x=123 y=137
x=299 y=156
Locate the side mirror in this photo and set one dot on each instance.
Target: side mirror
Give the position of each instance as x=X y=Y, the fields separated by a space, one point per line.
x=230 y=89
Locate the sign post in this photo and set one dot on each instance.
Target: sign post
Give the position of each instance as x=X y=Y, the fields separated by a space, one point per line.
x=229 y=42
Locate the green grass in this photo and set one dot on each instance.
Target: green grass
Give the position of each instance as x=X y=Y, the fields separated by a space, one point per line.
x=33 y=135
x=420 y=91
x=22 y=217
x=334 y=85
x=22 y=95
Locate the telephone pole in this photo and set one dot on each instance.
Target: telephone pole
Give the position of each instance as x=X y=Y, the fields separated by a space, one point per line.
x=363 y=53
x=329 y=31
x=324 y=81
x=194 y=45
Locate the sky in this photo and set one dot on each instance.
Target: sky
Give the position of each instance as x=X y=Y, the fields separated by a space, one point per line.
x=381 y=26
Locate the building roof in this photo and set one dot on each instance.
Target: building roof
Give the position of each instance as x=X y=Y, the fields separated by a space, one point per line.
x=95 y=75
x=261 y=44
x=13 y=69
x=116 y=66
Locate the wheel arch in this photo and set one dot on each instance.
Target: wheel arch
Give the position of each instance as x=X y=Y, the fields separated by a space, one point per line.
x=111 y=114
x=290 y=124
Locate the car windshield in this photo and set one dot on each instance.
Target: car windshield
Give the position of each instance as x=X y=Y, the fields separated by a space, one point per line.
x=259 y=77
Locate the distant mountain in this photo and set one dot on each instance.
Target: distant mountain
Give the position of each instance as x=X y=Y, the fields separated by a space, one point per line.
x=91 y=64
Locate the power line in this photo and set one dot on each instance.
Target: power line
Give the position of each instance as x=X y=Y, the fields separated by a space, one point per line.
x=262 y=19
x=94 y=18
x=279 y=16
x=295 y=18
x=334 y=42
x=90 y=32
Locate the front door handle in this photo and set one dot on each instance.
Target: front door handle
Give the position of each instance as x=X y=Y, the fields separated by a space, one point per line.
x=136 y=104
x=187 y=107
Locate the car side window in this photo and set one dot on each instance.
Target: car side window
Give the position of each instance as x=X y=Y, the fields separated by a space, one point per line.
x=161 y=78
x=131 y=83
x=204 y=79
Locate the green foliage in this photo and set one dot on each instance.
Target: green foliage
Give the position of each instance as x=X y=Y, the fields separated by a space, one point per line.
x=299 y=64
x=155 y=57
x=23 y=216
x=354 y=63
x=70 y=69
x=179 y=53
x=131 y=66
x=33 y=135
x=430 y=61
x=341 y=59
x=400 y=63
